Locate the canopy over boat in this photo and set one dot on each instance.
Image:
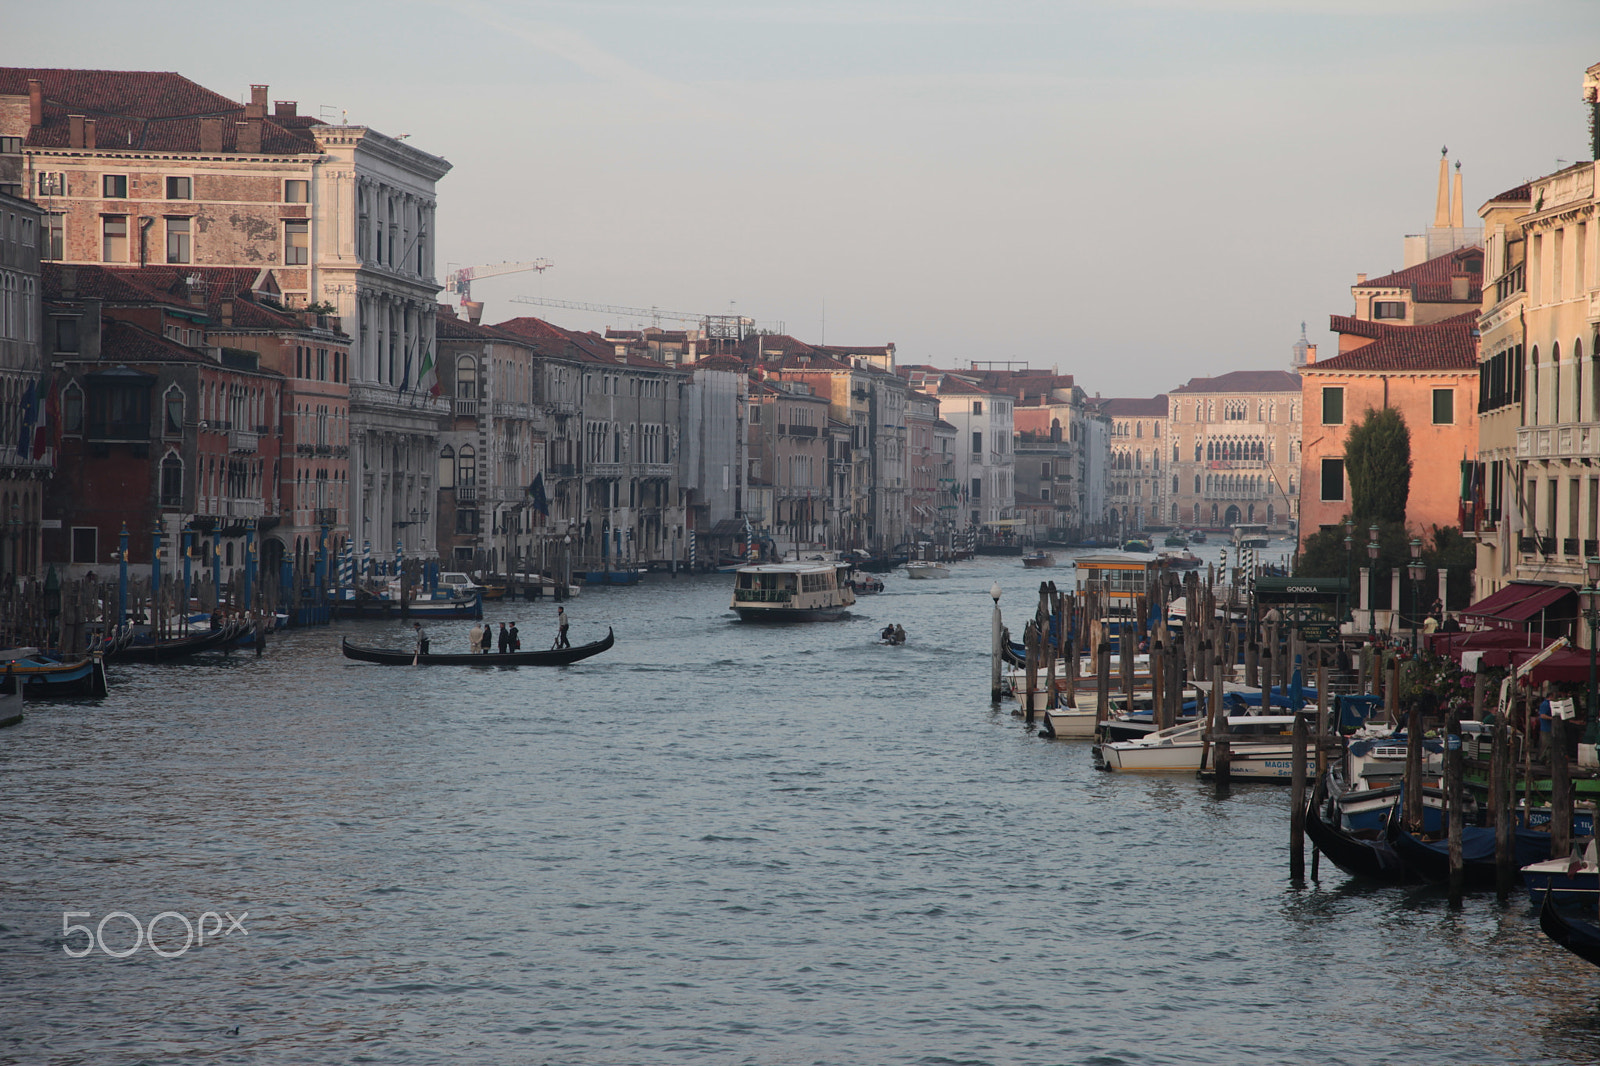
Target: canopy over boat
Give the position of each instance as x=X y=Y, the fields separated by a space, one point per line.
x=409 y=657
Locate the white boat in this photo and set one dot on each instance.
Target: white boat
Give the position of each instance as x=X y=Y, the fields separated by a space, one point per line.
x=921 y=568
x=1250 y=536
x=1261 y=747
x=791 y=592
x=1079 y=720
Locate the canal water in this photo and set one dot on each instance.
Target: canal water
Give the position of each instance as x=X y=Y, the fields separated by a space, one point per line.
x=716 y=843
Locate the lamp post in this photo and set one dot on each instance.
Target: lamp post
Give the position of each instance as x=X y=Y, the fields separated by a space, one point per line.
x=1589 y=597
x=1372 y=572
x=1349 y=564
x=1416 y=569
x=994 y=657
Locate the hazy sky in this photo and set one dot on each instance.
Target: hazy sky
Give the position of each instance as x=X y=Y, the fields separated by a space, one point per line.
x=1132 y=191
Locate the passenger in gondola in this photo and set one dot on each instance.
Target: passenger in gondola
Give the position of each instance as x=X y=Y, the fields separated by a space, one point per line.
x=216 y=617
x=505 y=639
x=488 y=638
x=516 y=641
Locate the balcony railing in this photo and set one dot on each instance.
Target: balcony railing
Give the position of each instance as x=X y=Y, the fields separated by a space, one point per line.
x=325 y=516
x=467 y=493
x=243 y=441
x=1576 y=440
x=562 y=470
x=466 y=408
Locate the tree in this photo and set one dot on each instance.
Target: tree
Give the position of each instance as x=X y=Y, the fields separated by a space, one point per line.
x=1377 y=459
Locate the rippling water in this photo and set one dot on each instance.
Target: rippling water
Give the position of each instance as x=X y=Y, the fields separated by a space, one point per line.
x=716 y=843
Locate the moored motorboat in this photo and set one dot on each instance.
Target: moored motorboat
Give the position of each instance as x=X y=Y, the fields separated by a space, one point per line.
x=791 y=592
x=1569 y=880
x=411 y=657
x=1260 y=745
x=41 y=677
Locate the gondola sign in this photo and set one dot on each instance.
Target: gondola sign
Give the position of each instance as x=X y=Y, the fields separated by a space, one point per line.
x=1319 y=632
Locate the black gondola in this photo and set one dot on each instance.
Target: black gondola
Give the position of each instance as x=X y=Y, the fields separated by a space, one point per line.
x=1430 y=859
x=161 y=651
x=403 y=657
x=1577 y=935
x=1362 y=854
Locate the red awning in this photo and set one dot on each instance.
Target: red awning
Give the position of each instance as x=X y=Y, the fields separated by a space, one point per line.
x=1567 y=666
x=1517 y=603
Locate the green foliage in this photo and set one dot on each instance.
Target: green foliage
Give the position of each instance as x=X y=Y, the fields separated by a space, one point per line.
x=321 y=308
x=1377 y=460
x=1324 y=556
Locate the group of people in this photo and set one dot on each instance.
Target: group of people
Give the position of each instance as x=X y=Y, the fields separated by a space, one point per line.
x=481 y=638
x=893 y=633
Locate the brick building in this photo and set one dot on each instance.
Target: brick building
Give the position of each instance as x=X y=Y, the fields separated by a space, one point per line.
x=26 y=457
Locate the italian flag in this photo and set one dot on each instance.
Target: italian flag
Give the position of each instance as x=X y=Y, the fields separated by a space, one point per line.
x=427 y=379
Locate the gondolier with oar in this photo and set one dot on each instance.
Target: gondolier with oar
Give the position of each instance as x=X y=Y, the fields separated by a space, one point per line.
x=422 y=642
x=561 y=631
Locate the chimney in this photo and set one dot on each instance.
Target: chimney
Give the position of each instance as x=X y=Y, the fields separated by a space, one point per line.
x=474 y=311
x=88 y=133
x=248 y=137
x=1311 y=354
x=35 y=102
x=211 y=135
x=74 y=131
x=257 y=107
x=225 y=312
x=284 y=108
x=1361 y=279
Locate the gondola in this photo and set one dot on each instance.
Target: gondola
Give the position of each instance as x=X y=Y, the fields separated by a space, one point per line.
x=42 y=678
x=161 y=651
x=1430 y=859
x=404 y=657
x=1577 y=935
x=1362 y=854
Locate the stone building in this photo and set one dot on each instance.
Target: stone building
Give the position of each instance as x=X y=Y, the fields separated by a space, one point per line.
x=493 y=449
x=1136 y=487
x=1541 y=379
x=788 y=454
x=26 y=433
x=139 y=168
x=1233 y=448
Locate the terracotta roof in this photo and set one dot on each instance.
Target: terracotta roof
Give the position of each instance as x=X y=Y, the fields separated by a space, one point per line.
x=163 y=284
x=559 y=342
x=1521 y=194
x=1356 y=327
x=1447 y=345
x=450 y=327
x=1245 y=381
x=1429 y=282
x=719 y=362
x=1154 y=407
x=124 y=342
x=150 y=111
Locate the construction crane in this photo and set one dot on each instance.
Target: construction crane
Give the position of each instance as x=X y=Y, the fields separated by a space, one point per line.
x=459 y=282
x=719 y=326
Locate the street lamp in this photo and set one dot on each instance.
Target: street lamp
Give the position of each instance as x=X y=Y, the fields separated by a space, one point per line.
x=1372 y=573
x=1417 y=570
x=1349 y=564
x=1589 y=598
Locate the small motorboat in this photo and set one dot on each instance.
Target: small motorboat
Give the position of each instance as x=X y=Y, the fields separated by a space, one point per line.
x=1176 y=539
x=923 y=569
x=1184 y=560
x=1038 y=558
x=1137 y=544
x=1197 y=536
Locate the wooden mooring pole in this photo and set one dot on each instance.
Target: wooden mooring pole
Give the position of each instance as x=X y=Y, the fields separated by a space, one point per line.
x=1297 y=803
x=1455 y=808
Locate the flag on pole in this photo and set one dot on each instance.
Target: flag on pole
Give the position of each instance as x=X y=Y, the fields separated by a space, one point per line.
x=541 y=502
x=428 y=377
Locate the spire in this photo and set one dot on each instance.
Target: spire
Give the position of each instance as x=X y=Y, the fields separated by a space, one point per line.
x=1441 y=208
x=1455 y=200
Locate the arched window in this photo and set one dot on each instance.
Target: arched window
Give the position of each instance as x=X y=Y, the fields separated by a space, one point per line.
x=172 y=417
x=1197 y=451
x=466 y=466
x=1533 y=393
x=172 y=481
x=466 y=378
x=447 y=468
x=1197 y=492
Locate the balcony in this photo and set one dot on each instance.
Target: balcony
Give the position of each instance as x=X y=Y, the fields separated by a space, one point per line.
x=466 y=408
x=1576 y=440
x=562 y=470
x=796 y=431
x=324 y=449
x=512 y=409
x=466 y=494
x=243 y=441
x=325 y=516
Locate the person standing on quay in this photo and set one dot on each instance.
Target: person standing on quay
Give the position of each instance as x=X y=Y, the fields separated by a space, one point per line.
x=561 y=631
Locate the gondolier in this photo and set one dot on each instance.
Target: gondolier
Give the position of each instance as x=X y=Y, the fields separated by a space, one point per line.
x=561 y=632
x=422 y=638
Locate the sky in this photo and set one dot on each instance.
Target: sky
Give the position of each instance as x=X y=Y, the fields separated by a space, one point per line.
x=1135 y=192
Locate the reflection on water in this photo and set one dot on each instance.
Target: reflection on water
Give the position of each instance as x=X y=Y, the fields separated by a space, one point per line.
x=714 y=843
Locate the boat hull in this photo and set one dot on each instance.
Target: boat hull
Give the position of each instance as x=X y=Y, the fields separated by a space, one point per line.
x=1569 y=882
x=85 y=679
x=752 y=612
x=403 y=657
x=1578 y=935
